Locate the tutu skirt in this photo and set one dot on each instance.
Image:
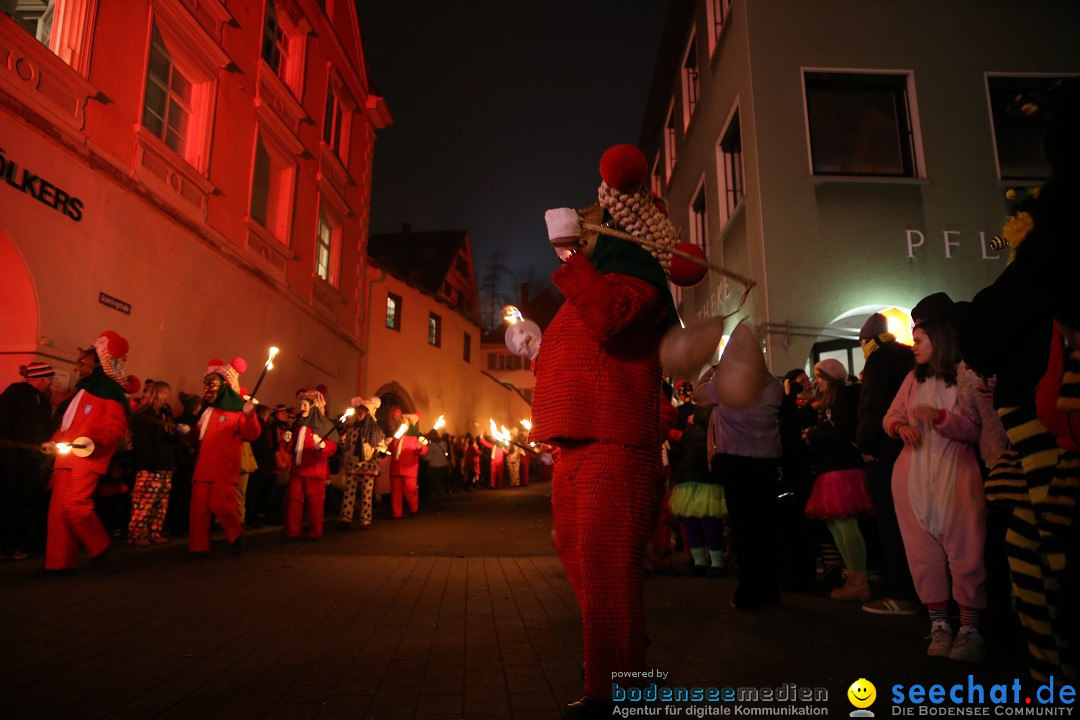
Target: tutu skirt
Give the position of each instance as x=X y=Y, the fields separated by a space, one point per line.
x=839 y=494
x=691 y=499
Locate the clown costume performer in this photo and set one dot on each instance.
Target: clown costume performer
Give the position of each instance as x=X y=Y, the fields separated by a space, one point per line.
x=92 y=425
x=310 y=443
x=597 y=398
x=227 y=422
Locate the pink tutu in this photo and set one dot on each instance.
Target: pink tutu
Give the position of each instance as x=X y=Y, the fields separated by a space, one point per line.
x=839 y=494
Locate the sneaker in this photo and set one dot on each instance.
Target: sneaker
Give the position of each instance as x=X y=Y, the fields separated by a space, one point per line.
x=940 y=640
x=19 y=555
x=698 y=571
x=888 y=606
x=969 y=646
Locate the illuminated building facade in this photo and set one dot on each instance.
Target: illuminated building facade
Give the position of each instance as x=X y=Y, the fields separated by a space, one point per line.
x=193 y=175
x=425 y=334
x=849 y=157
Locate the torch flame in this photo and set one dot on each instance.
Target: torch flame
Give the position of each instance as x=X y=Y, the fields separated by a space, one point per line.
x=512 y=315
x=500 y=432
x=63 y=448
x=439 y=423
x=349 y=412
x=401 y=430
x=270 y=358
x=527 y=424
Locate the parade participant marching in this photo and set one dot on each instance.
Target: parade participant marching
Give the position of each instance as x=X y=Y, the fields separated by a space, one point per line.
x=94 y=422
x=406 y=449
x=596 y=398
x=226 y=423
x=367 y=441
x=310 y=443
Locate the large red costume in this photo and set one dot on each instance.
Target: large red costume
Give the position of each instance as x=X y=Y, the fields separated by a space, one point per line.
x=95 y=420
x=310 y=450
x=223 y=427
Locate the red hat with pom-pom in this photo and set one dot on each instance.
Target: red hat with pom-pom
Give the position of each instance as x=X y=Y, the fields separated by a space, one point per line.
x=112 y=351
x=132 y=386
x=685 y=272
x=230 y=373
x=624 y=168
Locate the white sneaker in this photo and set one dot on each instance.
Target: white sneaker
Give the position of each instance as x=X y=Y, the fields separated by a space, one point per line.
x=940 y=640
x=969 y=646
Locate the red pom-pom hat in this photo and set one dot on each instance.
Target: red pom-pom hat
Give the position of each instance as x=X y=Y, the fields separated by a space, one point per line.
x=624 y=168
x=684 y=272
x=112 y=351
x=230 y=372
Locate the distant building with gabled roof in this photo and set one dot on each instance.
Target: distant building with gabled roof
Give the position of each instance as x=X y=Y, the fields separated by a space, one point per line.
x=424 y=331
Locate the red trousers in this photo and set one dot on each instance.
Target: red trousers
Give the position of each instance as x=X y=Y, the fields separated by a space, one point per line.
x=72 y=520
x=218 y=498
x=404 y=485
x=603 y=501
x=313 y=490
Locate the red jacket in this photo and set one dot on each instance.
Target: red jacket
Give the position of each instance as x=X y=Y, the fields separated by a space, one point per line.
x=219 y=448
x=313 y=461
x=598 y=372
x=103 y=421
x=407 y=462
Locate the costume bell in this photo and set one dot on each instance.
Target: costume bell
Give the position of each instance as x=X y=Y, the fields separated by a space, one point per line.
x=94 y=422
x=227 y=422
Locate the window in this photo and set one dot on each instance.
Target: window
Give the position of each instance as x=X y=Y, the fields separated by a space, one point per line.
x=1021 y=108
x=66 y=28
x=272 y=189
x=507 y=361
x=327 y=249
x=719 y=10
x=461 y=265
x=467 y=355
x=861 y=124
x=699 y=226
x=655 y=184
x=691 y=82
x=169 y=98
x=393 y=311
x=434 y=330
x=730 y=172
x=669 y=142
x=334 y=121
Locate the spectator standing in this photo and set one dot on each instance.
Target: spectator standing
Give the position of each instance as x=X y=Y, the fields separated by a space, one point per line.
x=25 y=423
x=887 y=364
x=154 y=439
x=840 y=496
x=438 y=468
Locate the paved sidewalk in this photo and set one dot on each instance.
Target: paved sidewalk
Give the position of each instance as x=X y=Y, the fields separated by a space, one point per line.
x=464 y=614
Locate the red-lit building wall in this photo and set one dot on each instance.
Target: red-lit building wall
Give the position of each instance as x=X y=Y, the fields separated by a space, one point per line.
x=194 y=248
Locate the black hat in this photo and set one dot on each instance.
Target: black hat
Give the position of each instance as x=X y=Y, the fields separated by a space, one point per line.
x=938 y=305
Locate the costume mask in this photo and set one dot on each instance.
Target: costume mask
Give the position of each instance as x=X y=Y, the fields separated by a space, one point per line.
x=211 y=387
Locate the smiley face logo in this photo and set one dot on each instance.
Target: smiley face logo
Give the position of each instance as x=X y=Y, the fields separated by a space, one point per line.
x=862 y=693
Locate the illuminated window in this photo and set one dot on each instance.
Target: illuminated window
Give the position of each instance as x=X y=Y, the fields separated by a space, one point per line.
x=434 y=330
x=66 y=28
x=861 y=124
x=283 y=44
x=393 y=311
x=1021 y=108
x=467 y=355
x=169 y=97
x=655 y=183
x=730 y=174
x=691 y=82
x=334 y=122
x=327 y=249
x=719 y=10
x=669 y=142
x=699 y=224
x=272 y=182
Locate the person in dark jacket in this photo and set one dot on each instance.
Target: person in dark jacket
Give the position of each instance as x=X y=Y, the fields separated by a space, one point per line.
x=839 y=495
x=697 y=498
x=25 y=423
x=155 y=442
x=887 y=364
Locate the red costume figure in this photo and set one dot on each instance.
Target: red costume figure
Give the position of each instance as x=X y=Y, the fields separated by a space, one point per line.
x=95 y=420
x=311 y=442
x=405 y=454
x=597 y=398
x=226 y=423
x=498 y=460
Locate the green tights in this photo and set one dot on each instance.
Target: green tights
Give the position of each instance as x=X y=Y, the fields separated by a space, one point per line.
x=849 y=541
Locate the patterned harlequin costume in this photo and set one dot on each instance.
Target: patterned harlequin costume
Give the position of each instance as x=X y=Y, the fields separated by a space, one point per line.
x=597 y=398
x=314 y=439
x=363 y=440
x=96 y=417
x=225 y=424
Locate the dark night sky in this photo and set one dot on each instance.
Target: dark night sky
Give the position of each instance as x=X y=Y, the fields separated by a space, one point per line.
x=502 y=109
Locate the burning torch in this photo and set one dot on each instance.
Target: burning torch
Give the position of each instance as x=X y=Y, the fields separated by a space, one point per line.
x=267 y=367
